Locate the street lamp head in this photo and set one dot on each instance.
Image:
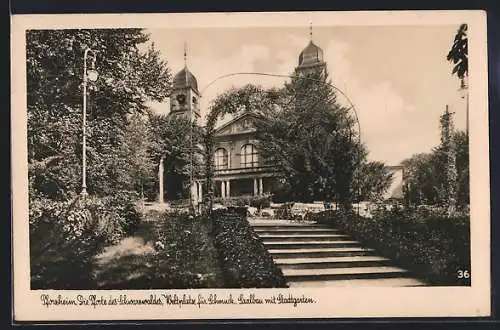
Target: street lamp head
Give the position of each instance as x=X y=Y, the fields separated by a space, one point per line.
x=92 y=75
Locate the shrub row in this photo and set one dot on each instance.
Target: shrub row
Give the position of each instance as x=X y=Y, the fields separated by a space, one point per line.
x=243 y=257
x=435 y=248
x=66 y=235
x=185 y=257
x=258 y=201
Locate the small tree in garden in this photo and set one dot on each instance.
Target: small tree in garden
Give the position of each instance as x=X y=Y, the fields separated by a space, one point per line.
x=447 y=147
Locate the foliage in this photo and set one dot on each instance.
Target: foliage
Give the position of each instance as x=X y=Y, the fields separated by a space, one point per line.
x=306 y=113
x=433 y=246
x=128 y=78
x=372 y=179
x=424 y=178
x=64 y=238
x=243 y=257
x=293 y=120
x=188 y=258
x=458 y=53
x=447 y=148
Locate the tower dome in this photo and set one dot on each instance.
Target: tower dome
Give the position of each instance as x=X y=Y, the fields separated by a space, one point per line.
x=311 y=55
x=185 y=78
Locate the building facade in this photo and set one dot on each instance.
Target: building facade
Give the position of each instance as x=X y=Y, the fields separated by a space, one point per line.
x=239 y=168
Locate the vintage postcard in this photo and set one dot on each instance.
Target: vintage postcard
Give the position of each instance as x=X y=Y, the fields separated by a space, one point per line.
x=250 y=165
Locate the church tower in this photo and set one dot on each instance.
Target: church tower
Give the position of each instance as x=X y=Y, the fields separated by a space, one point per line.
x=310 y=59
x=184 y=99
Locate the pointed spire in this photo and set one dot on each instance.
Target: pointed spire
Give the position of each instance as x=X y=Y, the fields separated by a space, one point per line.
x=310 y=31
x=185 y=54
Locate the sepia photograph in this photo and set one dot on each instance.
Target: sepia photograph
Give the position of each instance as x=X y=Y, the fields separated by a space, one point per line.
x=312 y=155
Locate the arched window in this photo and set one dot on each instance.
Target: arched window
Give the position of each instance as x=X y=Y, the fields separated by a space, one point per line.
x=249 y=156
x=221 y=159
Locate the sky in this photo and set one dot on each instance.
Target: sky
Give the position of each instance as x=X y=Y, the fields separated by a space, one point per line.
x=397 y=77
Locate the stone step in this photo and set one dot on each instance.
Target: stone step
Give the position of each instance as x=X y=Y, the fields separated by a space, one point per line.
x=309 y=244
x=332 y=262
x=358 y=283
x=319 y=252
x=301 y=237
x=286 y=224
x=343 y=273
x=294 y=230
x=291 y=228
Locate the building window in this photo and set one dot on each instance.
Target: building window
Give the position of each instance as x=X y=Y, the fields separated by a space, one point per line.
x=249 y=156
x=221 y=159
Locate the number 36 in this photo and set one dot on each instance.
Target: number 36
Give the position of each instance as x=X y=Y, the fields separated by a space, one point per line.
x=463 y=274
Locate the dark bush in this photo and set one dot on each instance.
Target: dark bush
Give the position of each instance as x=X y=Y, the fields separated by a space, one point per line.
x=435 y=248
x=186 y=257
x=244 y=260
x=124 y=203
x=65 y=237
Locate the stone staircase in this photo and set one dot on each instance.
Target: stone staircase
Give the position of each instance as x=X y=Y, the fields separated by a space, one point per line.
x=311 y=254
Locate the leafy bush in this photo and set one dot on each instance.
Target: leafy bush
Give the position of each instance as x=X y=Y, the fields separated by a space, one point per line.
x=435 y=247
x=64 y=238
x=66 y=235
x=185 y=257
x=244 y=259
x=124 y=203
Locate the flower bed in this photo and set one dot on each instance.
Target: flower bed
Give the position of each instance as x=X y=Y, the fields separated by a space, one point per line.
x=434 y=247
x=245 y=261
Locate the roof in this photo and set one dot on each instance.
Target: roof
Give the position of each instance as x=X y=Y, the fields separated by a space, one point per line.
x=312 y=54
x=185 y=78
x=236 y=119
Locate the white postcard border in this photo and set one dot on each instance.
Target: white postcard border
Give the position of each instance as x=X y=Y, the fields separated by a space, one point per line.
x=334 y=302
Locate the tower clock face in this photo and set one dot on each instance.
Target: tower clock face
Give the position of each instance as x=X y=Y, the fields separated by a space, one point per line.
x=181 y=99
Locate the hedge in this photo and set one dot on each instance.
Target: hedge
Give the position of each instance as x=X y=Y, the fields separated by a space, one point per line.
x=243 y=257
x=433 y=247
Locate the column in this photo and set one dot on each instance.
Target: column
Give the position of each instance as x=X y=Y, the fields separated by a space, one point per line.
x=160 y=181
x=229 y=158
x=261 y=187
x=222 y=189
x=228 y=188
x=194 y=192
x=255 y=187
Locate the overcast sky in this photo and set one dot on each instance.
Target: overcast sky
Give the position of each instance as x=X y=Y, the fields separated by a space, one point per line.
x=397 y=77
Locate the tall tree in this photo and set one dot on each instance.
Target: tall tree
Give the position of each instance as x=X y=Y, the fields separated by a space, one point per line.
x=373 y=178
x=458 y=53
x=314 y=140
x=128 y=78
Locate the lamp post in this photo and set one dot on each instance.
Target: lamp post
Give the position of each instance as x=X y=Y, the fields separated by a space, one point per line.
x=92 y=76
x=464 y=90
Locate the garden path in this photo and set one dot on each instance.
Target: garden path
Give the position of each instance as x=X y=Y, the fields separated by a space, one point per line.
x=128 y=264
